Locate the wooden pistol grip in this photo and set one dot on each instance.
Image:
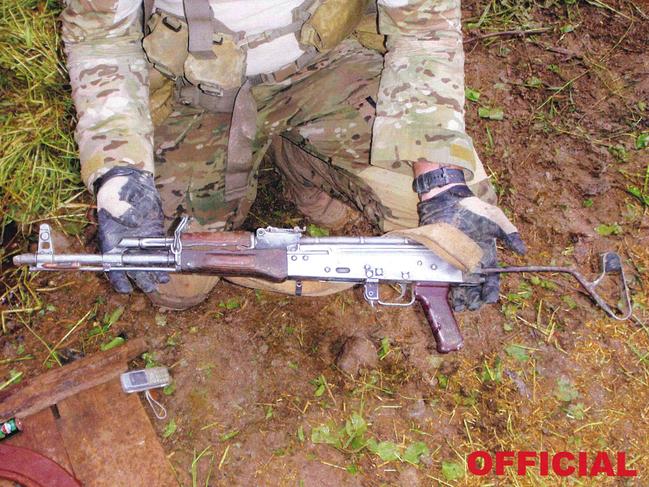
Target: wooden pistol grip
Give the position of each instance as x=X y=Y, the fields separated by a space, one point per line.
x=434 y=301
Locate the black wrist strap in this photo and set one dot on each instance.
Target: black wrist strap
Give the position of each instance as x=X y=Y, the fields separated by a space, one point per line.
x=436 y=179
x=116 y=171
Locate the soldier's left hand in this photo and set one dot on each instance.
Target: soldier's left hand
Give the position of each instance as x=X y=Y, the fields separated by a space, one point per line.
x=484 y=224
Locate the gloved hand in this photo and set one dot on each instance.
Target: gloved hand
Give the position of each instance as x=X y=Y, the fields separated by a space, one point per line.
x=128 y=205
x=484 y=224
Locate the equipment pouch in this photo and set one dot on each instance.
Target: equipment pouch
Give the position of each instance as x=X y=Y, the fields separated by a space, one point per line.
x=166 y=44
x=221 y=74
x=331 y=23
x=367 y=33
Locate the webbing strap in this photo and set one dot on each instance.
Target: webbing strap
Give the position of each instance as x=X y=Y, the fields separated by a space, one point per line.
x=243 y=130
x=200 y=27
x=301 y=14
x=270 y=35
x=148 y=11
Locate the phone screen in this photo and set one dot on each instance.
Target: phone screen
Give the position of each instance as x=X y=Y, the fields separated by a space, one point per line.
x=138 y=378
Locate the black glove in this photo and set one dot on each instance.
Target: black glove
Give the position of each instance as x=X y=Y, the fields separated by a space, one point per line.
x=128 y=205
x=483 y=223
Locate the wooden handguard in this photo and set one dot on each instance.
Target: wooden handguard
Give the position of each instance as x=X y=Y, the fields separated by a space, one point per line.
x=267 y=264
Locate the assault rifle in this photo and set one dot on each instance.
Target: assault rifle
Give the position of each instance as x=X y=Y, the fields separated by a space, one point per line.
x=278 y=254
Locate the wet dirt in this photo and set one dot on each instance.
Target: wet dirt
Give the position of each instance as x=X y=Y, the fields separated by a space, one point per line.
x=257 y=375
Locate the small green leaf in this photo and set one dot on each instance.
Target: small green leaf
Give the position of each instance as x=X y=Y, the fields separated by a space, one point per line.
x=326 y=434
x=293 y=365
x=587 y=203
x=232 y=303
x=492 y=374
x=639 y=194
x=321 y=385
x=269 y=412
x=386 y=450
x=517 y=352
x=607 y=230
x=96 y=330
x=300 y=434
x=576 y=411
x=352 y=469
x=385 y=348
x=534 y=82
x=172 y=340
x=471 y=94
x=14 y=377
x=496 y=113
x=565 y=391
x=452 y=470
x=170 y=429
x=571 y=303
x=642 y=141
x=553 y=68
x=229 y=436
x=567 y=28
x=545 y=284
x=110 y=319
x=115 y=342
x=442 y=381
x=150 y=360
x=524 y=292
x=355 y=425
x=170 y=389
x=415 y=451
x=316 y=231
x=619 y=153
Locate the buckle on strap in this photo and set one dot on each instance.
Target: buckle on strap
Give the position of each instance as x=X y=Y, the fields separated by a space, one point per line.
x=211 y=89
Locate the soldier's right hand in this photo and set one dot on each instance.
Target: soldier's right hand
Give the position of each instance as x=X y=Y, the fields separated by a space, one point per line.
x=128 y=205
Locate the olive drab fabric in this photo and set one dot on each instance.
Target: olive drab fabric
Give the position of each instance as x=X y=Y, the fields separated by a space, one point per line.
x=332 y=22
x=361 y=119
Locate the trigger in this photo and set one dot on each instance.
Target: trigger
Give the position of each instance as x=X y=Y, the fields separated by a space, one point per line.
x=404 y=289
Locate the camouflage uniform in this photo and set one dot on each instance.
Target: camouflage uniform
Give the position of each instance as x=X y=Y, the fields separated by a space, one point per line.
x=352 y=124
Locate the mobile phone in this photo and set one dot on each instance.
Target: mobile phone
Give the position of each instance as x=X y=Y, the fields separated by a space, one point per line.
x=145 y=379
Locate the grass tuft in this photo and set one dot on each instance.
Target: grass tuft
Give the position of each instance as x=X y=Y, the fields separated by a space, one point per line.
x=39 y=171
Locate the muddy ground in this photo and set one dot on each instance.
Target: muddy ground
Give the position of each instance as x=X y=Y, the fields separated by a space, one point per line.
x=262 y=380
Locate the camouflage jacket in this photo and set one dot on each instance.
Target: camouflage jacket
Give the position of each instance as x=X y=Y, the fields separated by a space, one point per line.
x=420 y=114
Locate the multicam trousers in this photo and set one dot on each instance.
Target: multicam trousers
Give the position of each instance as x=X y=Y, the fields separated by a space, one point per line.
x=318 y=125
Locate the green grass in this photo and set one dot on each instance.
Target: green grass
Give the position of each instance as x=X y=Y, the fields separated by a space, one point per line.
x=39 y=176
